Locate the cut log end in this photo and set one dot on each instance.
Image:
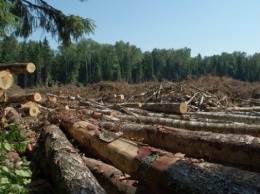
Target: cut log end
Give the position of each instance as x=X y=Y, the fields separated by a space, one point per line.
x=30 y=67
x=183 y=108
x=37 y=97
x=6 y=80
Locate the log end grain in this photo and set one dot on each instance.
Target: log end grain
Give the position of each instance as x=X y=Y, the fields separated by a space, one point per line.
x=6 y=80
x=37 y=97
x=183 y=108
x=30 y=67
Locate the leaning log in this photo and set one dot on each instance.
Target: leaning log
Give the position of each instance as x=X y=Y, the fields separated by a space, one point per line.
x=233 y=128
x=19 y=67
x=161 y=171
x=113 y=180
x=6 y=80
x=34 y=97
x=237 y=150
x=68 y=171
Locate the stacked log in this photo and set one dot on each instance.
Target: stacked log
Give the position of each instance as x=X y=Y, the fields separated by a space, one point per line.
x=161 y=171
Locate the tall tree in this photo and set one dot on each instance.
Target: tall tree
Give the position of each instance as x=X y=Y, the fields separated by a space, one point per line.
x=24 y=16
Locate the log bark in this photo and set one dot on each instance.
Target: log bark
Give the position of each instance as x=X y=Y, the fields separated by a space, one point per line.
x=163 y=172
x=234 y=128
x=113 y=180
x=179 y=108
x=236 y=150
x=223 y=116
x=6 y=80
x=3 y=96
x=253 y=108
x=34 y=97
x=19 y=67
x=68 y=171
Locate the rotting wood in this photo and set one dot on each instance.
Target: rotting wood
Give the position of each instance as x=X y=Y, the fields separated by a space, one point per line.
x=68 y=171
x=34 y=97
x=234 y=128
x=237 y=150
x=6 y=80
x=163 y=172
x=19 y=67
x=113 y=180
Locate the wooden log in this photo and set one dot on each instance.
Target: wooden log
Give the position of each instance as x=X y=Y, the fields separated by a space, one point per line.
x=237 y=150
x=179 y=108
x=113 y=180
x=226 y=116
x=68 y=171
x=161 y=171
x=234 y=128
x=19 y=67
x=6 y=80
x=253 y=108
x=32 y=111
x=34 y=97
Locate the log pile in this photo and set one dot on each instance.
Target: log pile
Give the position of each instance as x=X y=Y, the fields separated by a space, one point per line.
x=172 y=139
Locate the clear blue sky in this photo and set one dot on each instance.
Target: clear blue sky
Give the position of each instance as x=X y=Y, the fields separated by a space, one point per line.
x=207 y=27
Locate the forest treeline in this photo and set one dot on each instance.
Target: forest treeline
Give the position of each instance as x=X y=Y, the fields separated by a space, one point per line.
x=88 y=61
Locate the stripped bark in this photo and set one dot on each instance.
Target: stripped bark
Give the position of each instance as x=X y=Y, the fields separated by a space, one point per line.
x=113 y=180
x=19 y=67
x=6 y=80
x=3 y=96
x=163 y=172
x=68 y=171
x=237 y=150
x=234 y=128
x=34 y=97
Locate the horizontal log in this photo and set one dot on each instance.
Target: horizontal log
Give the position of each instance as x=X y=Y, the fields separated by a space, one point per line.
x=161 y=171
x=113 y=180
x=237 y=150
x=32 y=111
x=6 y=80
x=68 y=171
x=233 y=128
x=179 y=108
x=18 y=67
x=34 y=97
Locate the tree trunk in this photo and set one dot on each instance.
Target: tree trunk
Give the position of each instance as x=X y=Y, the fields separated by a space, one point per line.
x=234 y=128
x=34 y=97
x=6 y=80
x=19 y=67
x=161 y=171
x=238 y=150
x=113 y=180
x=179 y=108
x=68 y=171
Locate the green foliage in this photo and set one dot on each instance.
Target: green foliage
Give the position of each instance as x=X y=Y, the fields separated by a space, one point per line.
x=24 y=16
x=13 y=176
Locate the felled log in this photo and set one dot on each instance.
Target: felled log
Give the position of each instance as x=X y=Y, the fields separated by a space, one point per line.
x=19 y=67
x=252 y=108
x=34 y=97
x=6 y=80
x=234 y=128
x=68 y=171
x=238 y=150
x=113 y=180
x=226 y=116
x=161 y=171
x=179 y=108
x=32 y=111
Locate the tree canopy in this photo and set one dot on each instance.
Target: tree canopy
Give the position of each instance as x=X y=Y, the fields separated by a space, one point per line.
x=23 y=17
